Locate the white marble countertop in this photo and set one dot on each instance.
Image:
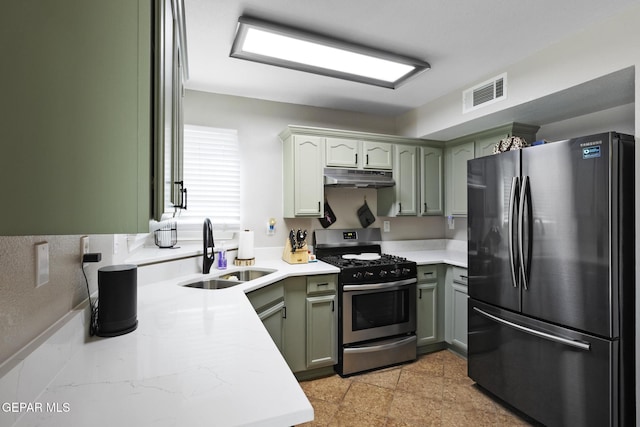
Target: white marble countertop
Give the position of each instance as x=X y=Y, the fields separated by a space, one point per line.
x=451 y=257
x=198 y=357
x=425 y=252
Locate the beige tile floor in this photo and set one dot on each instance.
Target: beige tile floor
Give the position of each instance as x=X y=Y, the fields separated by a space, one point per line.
x=432 y=391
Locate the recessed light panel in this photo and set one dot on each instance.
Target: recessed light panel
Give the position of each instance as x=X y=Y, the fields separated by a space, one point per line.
x=269 y=43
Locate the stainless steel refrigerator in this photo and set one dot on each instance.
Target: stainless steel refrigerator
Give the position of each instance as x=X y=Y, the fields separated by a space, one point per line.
x=552 y=277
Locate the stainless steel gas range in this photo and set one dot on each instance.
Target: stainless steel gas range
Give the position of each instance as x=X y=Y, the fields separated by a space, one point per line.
x=376 y=300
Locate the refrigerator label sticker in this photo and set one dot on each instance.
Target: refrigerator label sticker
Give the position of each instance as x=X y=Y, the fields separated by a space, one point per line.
x=591 y=152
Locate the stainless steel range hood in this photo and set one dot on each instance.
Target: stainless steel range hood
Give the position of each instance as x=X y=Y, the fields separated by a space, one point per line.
x=358 y=178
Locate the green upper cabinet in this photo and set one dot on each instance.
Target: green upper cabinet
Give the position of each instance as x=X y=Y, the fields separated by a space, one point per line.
x=303 y=159
x=75 y=114
x=342 y=152
x=431 y=181
x=468 y=147
x=402 y=199
x=377 y=155
x=351 y=153
x=456 y=182
x=486 y=140
x=170 y=73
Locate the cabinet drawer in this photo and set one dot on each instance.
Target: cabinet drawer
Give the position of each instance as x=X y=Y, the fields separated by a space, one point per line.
x=427 y=273
x=267 y=296
x=321 y=284
x=460 y=275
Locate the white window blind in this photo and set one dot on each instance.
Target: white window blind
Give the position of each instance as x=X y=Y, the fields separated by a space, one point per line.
x=211 y=159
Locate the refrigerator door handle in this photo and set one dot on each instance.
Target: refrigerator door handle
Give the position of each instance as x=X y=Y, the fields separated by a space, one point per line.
x=523 y=196
x=572 y=343
x=513 y=206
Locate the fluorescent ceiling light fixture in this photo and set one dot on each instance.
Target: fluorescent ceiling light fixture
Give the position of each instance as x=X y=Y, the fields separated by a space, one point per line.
x=269 y=43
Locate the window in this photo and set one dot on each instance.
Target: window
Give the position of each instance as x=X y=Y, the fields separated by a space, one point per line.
x=211 y=173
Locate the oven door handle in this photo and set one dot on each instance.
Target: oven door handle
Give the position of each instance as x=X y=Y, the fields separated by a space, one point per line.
x=378 y=286
x=380 y=347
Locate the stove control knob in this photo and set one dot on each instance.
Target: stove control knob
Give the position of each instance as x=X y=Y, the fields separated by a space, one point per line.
x=383 y=273
x=406 y=271
x=357 y=275
x=395 y=272
x=368 y=274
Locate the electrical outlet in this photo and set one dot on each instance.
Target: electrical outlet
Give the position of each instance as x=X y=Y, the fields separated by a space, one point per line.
x=42 y=264
x=84 y=246
x=386 y=226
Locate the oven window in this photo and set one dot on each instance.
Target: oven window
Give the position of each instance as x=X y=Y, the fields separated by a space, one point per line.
x=378 y=309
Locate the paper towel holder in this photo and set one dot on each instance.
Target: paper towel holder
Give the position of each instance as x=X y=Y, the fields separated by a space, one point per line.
x=245 y=261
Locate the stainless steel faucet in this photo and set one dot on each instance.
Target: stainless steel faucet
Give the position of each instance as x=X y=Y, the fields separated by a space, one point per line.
x=207 y=243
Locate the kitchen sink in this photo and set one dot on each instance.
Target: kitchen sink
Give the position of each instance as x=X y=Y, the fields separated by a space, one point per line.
x=228 y=280
x=246 y=275
x=213 y=284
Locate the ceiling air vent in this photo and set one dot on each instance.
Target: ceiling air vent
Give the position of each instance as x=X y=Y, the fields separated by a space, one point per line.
x=485 y=93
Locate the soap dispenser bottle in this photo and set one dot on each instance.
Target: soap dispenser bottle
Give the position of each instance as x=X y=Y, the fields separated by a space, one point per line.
x=222 y=259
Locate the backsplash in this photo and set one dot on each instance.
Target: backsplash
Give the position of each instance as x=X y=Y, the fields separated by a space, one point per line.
x=27 y=311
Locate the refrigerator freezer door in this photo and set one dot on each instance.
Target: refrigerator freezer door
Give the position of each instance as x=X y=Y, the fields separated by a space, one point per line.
x=565 y=237
x=555 y=375
x=493 y=188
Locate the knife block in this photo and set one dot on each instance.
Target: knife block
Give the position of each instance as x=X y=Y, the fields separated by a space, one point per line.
x=298 y=256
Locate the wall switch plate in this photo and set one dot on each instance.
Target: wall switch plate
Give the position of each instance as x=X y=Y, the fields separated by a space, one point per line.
x=386 y=226
x=116 y=244
x=42 y=264
x=451 y=222
x=84 y=246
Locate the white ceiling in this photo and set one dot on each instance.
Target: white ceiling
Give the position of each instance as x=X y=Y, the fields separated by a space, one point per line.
x=463 y=41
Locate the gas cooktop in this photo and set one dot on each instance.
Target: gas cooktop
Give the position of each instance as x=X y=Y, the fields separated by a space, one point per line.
x=363 y=260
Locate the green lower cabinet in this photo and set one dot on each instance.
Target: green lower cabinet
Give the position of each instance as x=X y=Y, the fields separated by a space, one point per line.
x=427 y=314
x=430 y=304
x=273 y=320
x=322 y=338
x=296 y=331
x=459 y=318
x=300 y=314
x=456 y=309
x=270 y=306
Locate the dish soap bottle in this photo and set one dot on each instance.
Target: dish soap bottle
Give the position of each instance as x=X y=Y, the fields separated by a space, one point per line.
x=222 y=259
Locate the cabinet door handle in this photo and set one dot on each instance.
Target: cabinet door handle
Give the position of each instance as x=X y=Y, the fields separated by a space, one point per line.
x=284 y=312
x=367 y=159
x=399 y=207
x=319 y=210
x=333 y=306
x=323 y=284
x=425 y=207
x=356 y=158
x=420 y=294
